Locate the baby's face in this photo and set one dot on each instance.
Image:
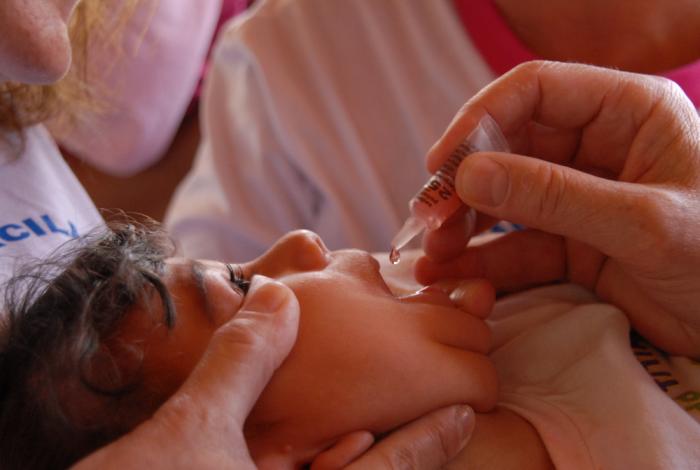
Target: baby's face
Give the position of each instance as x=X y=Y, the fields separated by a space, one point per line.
x=363 y=360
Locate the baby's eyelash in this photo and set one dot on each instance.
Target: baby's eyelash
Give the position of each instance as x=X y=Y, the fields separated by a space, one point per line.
x=237 y=278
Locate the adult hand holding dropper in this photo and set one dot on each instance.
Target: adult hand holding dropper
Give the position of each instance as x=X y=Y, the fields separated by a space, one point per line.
x=606 y=175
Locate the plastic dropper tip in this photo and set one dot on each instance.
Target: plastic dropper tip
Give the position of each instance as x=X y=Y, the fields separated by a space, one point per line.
x=411 y=228
x=394 y=256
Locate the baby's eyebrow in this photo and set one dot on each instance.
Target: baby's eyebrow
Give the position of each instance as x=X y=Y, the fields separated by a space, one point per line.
x=197 y=270
x=197 y=273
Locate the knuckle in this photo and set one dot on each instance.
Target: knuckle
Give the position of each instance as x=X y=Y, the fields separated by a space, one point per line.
x=240 y=333
x=669 y=96
x=402 y=459
x=650 y=219
x=436 y=438
x=180 y=409
x=529 y=68
x=447 y=444
x=441 y=443
x=668 y=87
x=651 y=230
x=551 y=199
x=672 y=98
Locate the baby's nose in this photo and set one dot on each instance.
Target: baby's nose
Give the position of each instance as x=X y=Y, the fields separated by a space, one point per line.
x=305 y=250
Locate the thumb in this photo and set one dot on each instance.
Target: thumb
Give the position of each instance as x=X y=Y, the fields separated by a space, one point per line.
x=431 y=441
x=603 y=213
x=244 y=352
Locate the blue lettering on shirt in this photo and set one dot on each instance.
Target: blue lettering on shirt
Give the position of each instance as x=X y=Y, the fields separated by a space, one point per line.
x=13 y=233
x=49 y=223
x=35 y=227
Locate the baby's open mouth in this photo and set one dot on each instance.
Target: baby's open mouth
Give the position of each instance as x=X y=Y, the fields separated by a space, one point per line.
x=430 y=295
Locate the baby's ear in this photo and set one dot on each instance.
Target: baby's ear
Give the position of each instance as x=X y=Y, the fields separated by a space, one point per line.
x=346 y=449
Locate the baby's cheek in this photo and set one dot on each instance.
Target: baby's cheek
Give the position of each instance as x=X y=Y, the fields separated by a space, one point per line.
x=444 y=375
x=339 y=384
x=479 y=382
x=365 y=370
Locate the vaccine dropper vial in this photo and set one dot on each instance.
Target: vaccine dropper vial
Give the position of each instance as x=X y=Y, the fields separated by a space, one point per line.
x=438 y=200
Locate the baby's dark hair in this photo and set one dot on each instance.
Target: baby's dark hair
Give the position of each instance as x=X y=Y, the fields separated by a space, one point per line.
x=64 y=390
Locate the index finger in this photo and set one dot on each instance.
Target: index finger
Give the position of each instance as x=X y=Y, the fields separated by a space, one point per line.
x=559 y=96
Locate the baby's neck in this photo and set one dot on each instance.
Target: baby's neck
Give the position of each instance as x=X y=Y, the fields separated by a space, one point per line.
x=503 y=440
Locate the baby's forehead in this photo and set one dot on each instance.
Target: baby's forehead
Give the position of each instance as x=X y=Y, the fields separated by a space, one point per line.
x=180 y=266
x=185 y=270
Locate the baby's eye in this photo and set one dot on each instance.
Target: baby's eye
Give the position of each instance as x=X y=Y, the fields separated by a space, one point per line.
x=237 y=278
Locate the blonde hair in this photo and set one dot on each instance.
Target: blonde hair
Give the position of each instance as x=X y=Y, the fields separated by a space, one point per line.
x=22 y=105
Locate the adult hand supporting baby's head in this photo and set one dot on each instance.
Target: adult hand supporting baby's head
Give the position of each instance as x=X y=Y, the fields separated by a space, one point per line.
x=608 y=182
x=201 y=426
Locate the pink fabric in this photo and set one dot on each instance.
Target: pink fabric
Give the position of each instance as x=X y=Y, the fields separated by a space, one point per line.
x=503 y=50
x=499 y=46
x=229 y=9
x=688 y=77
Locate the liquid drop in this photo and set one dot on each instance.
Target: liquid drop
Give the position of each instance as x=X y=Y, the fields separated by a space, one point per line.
x=394 y=256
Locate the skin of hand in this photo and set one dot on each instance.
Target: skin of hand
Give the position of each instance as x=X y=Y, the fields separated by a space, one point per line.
x=606 y=176
x=429 y=442
x=201 y=426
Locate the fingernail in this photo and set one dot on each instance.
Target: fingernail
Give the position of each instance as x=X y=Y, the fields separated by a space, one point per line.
x=434 y=288
x=466 y=422
x=266 y=295
x=458 y=293
x=482 y=181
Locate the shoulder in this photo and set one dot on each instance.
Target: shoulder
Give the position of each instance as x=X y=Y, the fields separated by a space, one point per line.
x=364 y=21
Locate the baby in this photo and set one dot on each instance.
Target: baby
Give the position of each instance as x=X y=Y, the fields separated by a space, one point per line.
x=98 y=340
x=95 y=351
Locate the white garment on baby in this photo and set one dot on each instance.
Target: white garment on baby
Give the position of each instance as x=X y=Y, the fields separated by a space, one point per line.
x=566 y=365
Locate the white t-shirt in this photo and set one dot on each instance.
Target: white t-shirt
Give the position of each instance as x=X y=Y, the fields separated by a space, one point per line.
x=42 y=203
x=317 y=114
x=565 y=364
